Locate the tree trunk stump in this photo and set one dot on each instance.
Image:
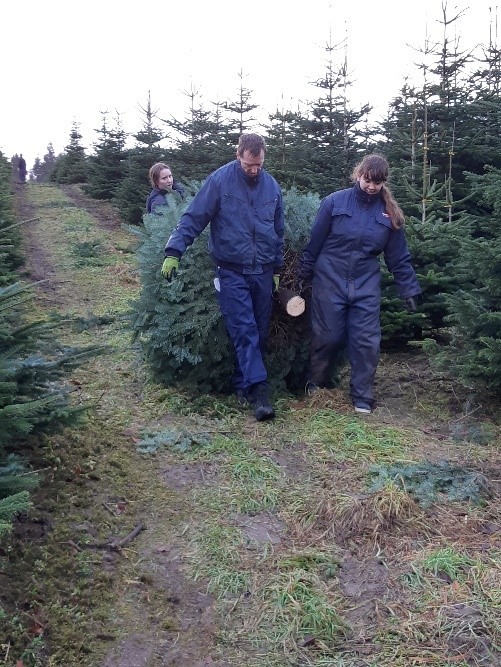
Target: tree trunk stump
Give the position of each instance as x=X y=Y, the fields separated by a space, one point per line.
x=293 y=303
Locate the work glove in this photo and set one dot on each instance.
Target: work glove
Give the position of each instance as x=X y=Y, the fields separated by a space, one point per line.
x=276 y=282
x=169 y=268
x=410 y=304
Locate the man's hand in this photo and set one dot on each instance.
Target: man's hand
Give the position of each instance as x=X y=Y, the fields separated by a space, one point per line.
x=169 y=268
x=276 y=282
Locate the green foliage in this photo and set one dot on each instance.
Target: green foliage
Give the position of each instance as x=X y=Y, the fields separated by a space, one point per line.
x=71 y=166
x=130 y=194
x=14 y=478
x=32 y=366
x=43 y=169
x=10 y=256
x=300 y=606
x=32 y=394
x=178 y=440
x=432 y=482
x=179 y=324
x=434 y=245
x=105 y=168
x=10 y=507
x=447 y=562
x=473 y=352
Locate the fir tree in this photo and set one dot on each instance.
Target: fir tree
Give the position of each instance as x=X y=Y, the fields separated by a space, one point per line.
x=71 y=165
x=202 y=142
x=473 y=353
x=42 y=169
x=238 y=112
x=288 y=150
x=10 y=253
x=332 y=130
x=33 y=397
x=179 y=323
x=32 y=367
x=105 y=168
x=130 y=194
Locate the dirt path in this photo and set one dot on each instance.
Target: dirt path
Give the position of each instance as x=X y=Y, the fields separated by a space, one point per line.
x=212 y=532
x=159 y=617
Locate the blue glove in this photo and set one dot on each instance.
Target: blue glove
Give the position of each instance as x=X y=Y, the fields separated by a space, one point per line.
x=169 y=268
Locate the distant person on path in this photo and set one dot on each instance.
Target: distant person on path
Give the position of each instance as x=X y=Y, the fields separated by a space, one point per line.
x=243 y=204
x=352 y=228
x=21 y=166
x=162 y=182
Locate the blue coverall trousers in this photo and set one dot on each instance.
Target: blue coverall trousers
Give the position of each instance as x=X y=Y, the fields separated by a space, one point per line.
x=345 y=320
x=246 y=302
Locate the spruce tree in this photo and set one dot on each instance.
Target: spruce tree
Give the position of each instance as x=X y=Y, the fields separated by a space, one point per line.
x=202 y=141
x=288 y=150
x=105 y=167
x=332 y=130
x=473 y=353
x=450 y=123
x=179 y=324
x=10 y=253
x=33 y=397
x=237 y=111
x=71 y=164
x=130 y=194
x=42 y=169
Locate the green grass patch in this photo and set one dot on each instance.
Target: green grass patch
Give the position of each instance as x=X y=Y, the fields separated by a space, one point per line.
x=337 y=436
x=216 y=558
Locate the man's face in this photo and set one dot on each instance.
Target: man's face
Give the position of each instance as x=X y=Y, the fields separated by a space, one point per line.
x=251 y=164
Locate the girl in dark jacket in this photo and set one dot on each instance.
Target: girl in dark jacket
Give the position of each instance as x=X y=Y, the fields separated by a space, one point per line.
x=163 y=184
x=352 y=228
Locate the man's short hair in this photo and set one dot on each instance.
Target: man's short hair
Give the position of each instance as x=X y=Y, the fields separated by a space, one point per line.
x=254 y=143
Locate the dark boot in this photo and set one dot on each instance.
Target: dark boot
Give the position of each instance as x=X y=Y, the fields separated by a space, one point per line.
x=247 y=396
x=311 y=388
x=243 y=397
x=263 y=409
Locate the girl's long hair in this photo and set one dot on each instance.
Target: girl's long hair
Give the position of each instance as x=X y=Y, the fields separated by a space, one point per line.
x=376 y=168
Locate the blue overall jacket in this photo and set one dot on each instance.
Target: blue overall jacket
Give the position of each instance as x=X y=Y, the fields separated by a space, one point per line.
x=158 y=197
x=350 y=231
x=246 y=221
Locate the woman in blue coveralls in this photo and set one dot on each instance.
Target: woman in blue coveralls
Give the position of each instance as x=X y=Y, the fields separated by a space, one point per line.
x=352 y=228
x=163 y=183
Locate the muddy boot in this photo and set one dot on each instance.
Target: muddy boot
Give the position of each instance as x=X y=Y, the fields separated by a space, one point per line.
x=262 y=407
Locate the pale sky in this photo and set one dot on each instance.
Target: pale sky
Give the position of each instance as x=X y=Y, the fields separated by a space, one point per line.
x=65 y=61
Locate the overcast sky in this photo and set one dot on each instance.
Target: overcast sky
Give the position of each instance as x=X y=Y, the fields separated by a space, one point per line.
x=65 y=61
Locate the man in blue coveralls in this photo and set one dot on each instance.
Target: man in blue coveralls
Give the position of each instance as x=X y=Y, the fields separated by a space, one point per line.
x=243 y=204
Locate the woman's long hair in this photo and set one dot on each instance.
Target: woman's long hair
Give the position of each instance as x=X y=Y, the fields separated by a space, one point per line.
x=375 y=168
